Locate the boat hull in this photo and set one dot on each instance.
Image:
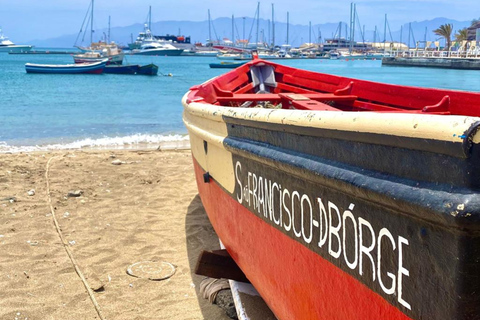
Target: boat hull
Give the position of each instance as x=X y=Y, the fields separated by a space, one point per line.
x=112 y=60
x=16 y=48
x=279 y=267
x=121 y=69
x=93 y=68
x=148 y=70
x=226 y=65
x=162 y=52
x=343 y=215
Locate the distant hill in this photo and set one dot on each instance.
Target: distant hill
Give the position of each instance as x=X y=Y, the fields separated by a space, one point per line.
x=222 y=28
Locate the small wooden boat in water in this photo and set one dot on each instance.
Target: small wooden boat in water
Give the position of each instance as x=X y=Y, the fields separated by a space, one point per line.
x=95 y=68
x=227 y=64
x=342 y=198
x=148 y=70
x=122 y=69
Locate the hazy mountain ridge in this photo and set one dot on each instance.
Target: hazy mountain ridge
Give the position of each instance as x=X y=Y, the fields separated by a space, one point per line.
x=222 y=28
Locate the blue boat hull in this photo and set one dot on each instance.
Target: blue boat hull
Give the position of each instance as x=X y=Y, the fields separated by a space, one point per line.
x=229 y=65
x=128 y=69
x=94 y=68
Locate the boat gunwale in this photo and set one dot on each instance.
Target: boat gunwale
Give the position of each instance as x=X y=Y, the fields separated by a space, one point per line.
x=462 y=131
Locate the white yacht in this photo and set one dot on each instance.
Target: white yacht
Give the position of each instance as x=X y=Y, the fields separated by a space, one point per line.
x=153 y=47
x=8 y=46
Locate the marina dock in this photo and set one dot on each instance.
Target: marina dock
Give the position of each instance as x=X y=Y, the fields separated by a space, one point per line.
x=434 y=59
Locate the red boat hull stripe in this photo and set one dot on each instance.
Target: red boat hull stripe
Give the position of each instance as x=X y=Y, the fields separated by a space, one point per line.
x=292 y=279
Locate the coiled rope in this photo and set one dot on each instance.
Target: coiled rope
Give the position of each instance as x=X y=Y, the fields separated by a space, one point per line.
x=66 y=246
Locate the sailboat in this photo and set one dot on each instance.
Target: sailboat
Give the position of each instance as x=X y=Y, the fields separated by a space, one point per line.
x=100 y=50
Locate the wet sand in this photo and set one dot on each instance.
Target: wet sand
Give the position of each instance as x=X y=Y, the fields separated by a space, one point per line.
x=144 y=209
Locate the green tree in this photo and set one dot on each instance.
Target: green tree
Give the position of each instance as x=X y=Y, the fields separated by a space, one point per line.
x=461 y=35
x=445 y=31
x=474 y=22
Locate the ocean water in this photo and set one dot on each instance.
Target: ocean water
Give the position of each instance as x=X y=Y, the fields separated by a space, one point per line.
x=44 y=112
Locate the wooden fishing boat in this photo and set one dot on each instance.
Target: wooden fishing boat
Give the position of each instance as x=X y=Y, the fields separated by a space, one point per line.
x=95 y=68
x=93 y=56
x=148 y=70
x=341 y=198
x=122 y=69
x=227 y=64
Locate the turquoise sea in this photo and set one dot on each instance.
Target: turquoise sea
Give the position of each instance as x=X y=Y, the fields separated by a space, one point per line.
x=44 y=112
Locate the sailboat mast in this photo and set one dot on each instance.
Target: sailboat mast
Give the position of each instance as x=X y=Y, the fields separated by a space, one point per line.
x=269 y=32
x=351 y=27
x=258 y=21
x=209 y=27
x=401 y=34
x=310 y=32
x=409 y=32
x=108 y=35
x=150 y=18
x=287 y=25
x=385 y=34
x=425 y=39
x=91 y=24
x=273 y=27
x=353 y=23
x=233 y=31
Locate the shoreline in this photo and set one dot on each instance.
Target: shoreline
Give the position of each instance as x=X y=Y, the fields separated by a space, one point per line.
x=145 y=209
x=163 y=145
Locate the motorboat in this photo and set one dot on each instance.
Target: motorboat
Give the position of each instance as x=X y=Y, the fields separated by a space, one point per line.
x=8 y=46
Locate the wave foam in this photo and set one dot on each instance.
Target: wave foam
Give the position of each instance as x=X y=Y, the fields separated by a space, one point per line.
x=126 y=142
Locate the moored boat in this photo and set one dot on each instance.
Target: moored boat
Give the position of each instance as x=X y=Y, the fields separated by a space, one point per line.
x=122 y=69
x=148 y=70
x=94 y=68
x=8 y=46
x=98 y=53
x=157 y=48
x=342 y=198
x=227 y=64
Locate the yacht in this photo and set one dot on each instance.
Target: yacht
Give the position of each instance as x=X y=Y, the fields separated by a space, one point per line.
x=8 y=46
x=153 y=47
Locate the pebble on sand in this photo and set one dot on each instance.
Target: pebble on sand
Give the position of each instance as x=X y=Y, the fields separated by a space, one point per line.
x=117 y=162
x=75 y=193
x=31 y=192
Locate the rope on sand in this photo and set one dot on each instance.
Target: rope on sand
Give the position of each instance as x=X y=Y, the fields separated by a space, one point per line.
x=66 y=246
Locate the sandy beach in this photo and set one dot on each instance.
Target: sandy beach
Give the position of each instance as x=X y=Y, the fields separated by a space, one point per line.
x=144 y=209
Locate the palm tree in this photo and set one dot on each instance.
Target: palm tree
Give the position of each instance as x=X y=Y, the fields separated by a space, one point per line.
x=445 y=31
x=461 y=36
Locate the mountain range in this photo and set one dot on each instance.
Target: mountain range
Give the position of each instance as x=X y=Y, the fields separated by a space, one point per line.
x=246 y=28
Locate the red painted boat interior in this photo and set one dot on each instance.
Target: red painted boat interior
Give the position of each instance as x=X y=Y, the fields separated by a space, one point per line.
x=307 y=90
x=279 y=267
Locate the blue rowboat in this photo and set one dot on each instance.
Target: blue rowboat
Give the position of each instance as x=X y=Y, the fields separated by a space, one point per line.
x=95 y=68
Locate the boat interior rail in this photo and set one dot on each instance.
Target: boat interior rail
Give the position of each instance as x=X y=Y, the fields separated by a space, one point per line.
x=264 y=84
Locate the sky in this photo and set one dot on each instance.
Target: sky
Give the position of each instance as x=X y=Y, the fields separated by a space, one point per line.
x=24 y=20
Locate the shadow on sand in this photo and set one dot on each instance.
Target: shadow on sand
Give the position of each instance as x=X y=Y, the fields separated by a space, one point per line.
x=201 y=236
